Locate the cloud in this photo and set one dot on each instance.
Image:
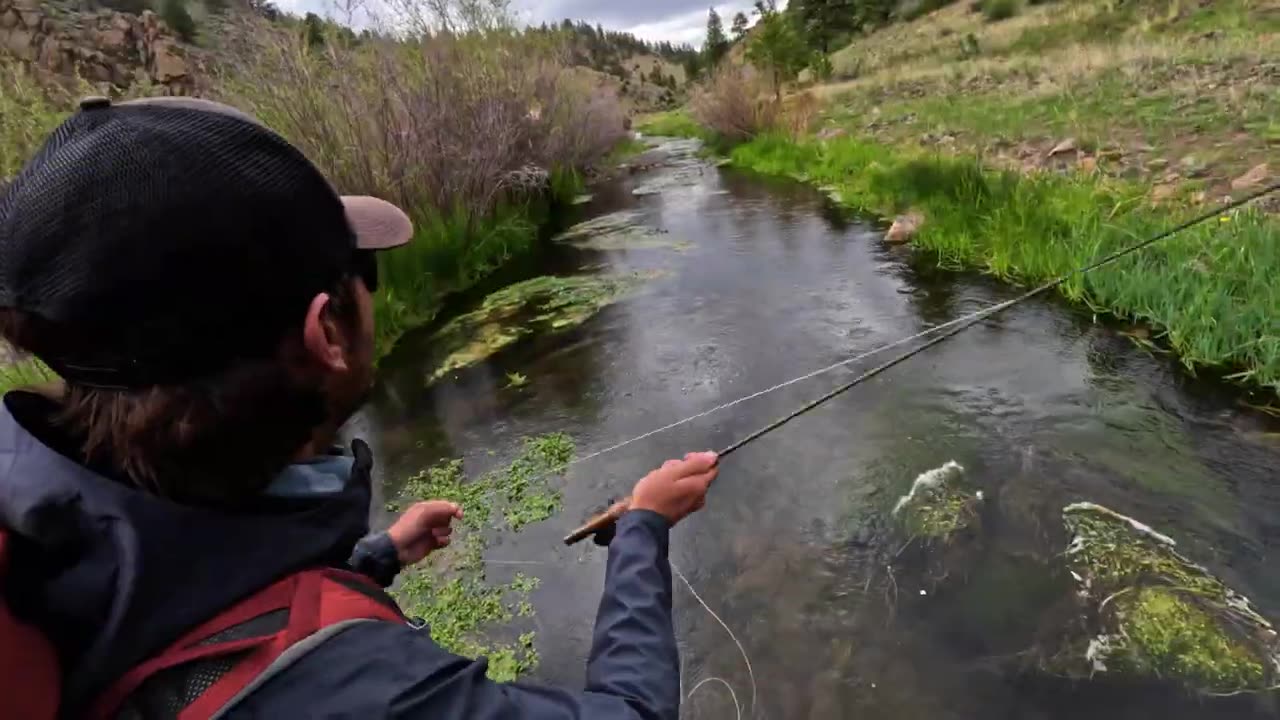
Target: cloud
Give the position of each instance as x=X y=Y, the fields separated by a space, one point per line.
x=677 y=21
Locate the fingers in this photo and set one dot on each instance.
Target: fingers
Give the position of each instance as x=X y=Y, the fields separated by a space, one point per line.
x=697 y=463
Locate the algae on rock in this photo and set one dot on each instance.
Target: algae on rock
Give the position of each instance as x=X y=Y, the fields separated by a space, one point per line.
x=938 y=506
x=542 y=304
x=1149 y=613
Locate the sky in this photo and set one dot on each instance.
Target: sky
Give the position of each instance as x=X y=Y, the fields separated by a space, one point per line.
x=679 y=21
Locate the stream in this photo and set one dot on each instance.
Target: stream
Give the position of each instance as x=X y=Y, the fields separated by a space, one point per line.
x=754 y=281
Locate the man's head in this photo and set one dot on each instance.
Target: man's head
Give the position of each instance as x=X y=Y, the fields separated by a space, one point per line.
x=199 y=286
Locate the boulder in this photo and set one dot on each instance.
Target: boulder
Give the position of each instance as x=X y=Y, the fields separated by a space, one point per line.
x=1257 y=175
x=1064 y=146
x=19 y=42
x=1088 y=164
x=112 y=40
x=8 y=19
x=905 y=227
x=168 y=64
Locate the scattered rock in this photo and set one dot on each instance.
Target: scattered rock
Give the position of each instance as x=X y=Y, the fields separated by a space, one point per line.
x=1155 y=164
x=1067 y=145
x=905 y=227
x=1163 y=192
x=1193 y=166
x=831 y=133
x=1257 y=175
x=1088 y=164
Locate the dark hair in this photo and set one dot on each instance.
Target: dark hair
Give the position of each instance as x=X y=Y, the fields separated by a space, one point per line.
x=217 y=440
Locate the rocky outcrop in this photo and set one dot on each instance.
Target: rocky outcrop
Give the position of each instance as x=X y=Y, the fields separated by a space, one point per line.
x=104 y=47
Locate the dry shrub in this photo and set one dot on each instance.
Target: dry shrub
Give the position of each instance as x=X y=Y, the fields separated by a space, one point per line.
x=735 y=103
x=438 y=124
x=798 y=114
x=469 y=133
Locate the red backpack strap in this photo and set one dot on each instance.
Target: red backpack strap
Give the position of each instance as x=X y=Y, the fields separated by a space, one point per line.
x=203 y=671
x=30 y=679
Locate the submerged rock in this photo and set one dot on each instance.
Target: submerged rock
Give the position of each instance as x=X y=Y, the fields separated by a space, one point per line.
x=937 y=506
x=904 y=227
x=1151 y=614
x=542 y=304
x=939 y=518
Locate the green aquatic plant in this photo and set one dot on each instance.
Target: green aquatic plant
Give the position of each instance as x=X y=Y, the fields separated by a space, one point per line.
x=938 y=505
x=542 y=304
x=1156 y=614
x=618 y=231
x=517 y=380
x=451 y=593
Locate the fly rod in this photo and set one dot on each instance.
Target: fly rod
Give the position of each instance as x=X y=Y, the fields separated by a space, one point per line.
x=603 y=522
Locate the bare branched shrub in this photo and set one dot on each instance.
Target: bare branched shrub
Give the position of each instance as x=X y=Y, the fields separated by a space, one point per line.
x=439 y=124
x=798 y=114
x=735 y=103
x=466 y=132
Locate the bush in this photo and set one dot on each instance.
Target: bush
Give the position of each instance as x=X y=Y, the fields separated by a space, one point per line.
x=28 y=113
x=997 y=10
x=175 y=15
x=466 y=132
x=820 y=66
x=735 y=104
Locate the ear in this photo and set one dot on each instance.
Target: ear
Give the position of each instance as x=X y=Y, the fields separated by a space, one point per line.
x=324 y=342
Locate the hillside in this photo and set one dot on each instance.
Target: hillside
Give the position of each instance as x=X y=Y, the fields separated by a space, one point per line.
x=1183 y=96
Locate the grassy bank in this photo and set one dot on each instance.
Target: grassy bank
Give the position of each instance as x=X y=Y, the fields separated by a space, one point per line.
x=1210 y=291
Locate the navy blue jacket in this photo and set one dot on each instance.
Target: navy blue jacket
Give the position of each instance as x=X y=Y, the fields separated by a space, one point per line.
x=113 y=575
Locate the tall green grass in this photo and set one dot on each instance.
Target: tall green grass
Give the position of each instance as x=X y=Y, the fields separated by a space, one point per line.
x=452 y=251
x=673 y=123
x=1211 y=290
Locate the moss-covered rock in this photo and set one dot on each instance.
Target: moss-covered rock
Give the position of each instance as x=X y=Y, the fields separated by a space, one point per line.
x=1150 y=613
x=938 y=505
x=542 y=304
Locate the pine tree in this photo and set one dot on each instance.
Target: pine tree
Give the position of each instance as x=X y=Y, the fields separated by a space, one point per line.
x=776 y=46
x=717 y=44
x=175 y=15
x=739 y=28
x=823 y=21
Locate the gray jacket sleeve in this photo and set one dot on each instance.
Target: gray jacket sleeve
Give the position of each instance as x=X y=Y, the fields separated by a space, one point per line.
x=378 y=669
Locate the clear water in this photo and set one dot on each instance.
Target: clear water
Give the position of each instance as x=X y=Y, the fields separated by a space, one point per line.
x=767 y=281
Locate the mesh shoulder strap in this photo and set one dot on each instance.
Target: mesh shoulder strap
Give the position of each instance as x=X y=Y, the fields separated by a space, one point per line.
x=219 y=662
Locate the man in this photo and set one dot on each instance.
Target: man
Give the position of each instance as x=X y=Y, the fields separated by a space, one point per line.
x=206 y=298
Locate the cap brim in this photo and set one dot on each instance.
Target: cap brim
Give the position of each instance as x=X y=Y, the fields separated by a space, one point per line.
x=378 y=224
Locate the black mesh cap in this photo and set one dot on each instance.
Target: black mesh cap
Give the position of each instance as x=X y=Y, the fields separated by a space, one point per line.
x=164 y=239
